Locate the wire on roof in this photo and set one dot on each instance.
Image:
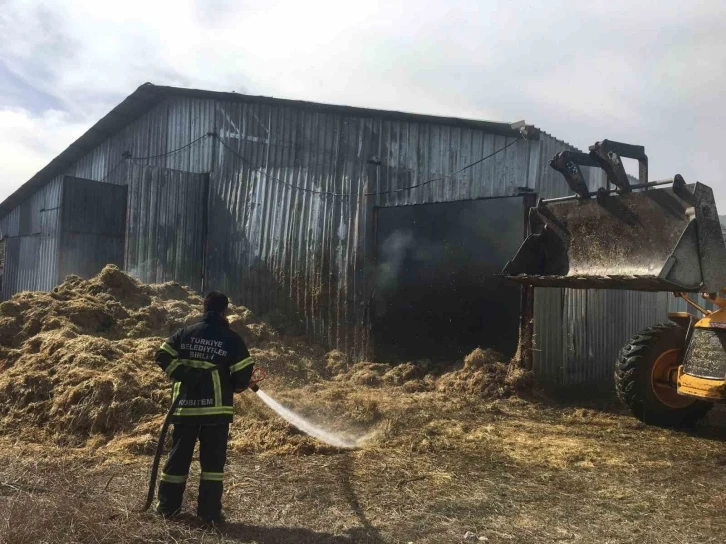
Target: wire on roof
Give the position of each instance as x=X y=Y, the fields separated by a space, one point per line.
x=445 y=176
x=173 y=150
x=328 y=193
x=128 y=156
x=114 y=168
x=247 y=162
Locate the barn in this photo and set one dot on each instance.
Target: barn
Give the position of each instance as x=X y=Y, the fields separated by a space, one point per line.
x=378 y=233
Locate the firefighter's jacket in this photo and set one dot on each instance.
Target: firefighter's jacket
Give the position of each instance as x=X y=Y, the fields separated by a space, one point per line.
x=208 y=362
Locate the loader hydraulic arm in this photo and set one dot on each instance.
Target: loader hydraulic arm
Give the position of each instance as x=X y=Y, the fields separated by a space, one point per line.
x=568 y=164
x=691 y=302
x=607 y=155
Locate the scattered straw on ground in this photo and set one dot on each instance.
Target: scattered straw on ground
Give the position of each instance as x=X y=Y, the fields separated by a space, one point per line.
x=456 y=453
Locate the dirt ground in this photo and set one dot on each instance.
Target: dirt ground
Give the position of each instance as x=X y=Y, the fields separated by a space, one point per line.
x=464 y=452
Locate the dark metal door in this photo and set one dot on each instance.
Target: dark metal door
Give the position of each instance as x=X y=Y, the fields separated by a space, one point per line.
x=437 y=290
x=93 y=222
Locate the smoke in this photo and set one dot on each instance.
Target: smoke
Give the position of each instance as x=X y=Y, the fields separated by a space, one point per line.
x=438 y=290
x=142 y=271
x=391 y=257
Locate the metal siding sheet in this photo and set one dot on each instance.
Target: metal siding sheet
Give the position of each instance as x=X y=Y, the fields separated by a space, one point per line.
x=32 y=228
x=164 y=230
x=11 y=223
x=12 y=267
x=553 y=307
x=304 y=252
x=93 y=207
x=85 y=254
x=29 y=274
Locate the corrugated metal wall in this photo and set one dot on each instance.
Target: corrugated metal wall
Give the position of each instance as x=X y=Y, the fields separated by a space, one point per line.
x=32 y=230
x=274 y=247
x=301 y=251
x=165 y=225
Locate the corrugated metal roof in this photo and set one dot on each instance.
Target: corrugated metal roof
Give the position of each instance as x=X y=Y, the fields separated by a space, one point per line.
x=148 y=95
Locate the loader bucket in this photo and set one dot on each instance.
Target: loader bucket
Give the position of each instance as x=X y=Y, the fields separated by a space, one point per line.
x=651 y=240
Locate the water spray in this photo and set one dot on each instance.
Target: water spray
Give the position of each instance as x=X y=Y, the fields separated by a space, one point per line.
x=298 y=421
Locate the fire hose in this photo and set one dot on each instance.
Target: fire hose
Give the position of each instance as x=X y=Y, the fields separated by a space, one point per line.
x=257 y=376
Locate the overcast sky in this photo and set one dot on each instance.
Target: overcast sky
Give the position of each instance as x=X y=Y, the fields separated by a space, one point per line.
x=651 y=73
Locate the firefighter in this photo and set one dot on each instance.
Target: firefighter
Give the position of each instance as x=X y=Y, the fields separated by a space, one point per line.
x=208 y=363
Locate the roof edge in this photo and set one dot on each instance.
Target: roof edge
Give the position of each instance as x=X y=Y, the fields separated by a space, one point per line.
x=132 y=107
x=148 y=95
x=495 y=127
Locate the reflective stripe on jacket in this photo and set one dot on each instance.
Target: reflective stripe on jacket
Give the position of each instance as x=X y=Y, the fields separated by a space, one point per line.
x=213 y=362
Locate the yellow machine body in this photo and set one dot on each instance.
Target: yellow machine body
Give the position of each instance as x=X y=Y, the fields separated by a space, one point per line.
x=701 y=388
x=703 y=372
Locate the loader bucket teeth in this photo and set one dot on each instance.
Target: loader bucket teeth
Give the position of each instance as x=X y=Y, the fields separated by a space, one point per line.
x=652 y=240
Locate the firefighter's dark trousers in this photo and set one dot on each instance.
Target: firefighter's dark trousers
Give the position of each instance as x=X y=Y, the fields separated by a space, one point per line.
x=212 y=456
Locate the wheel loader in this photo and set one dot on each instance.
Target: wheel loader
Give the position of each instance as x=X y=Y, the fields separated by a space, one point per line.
x=642 y=236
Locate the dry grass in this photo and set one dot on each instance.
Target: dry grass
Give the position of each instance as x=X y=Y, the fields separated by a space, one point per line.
x=507 y=470
x=452 y=449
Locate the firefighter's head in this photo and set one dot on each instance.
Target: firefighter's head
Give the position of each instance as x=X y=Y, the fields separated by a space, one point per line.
x=216 y=302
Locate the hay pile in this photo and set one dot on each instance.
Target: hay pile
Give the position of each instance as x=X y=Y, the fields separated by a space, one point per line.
x=76 y=367
x=76 y=364
x=483 y=373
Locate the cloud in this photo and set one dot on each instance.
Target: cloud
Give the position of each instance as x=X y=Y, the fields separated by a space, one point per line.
x=641 y=72
x=25 y=144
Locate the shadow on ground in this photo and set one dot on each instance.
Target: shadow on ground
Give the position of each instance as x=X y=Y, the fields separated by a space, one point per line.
x=367 y=532
x=292 y=535
x=602 y=398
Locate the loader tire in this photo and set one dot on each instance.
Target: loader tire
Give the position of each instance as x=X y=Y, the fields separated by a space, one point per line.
x=638 y=361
